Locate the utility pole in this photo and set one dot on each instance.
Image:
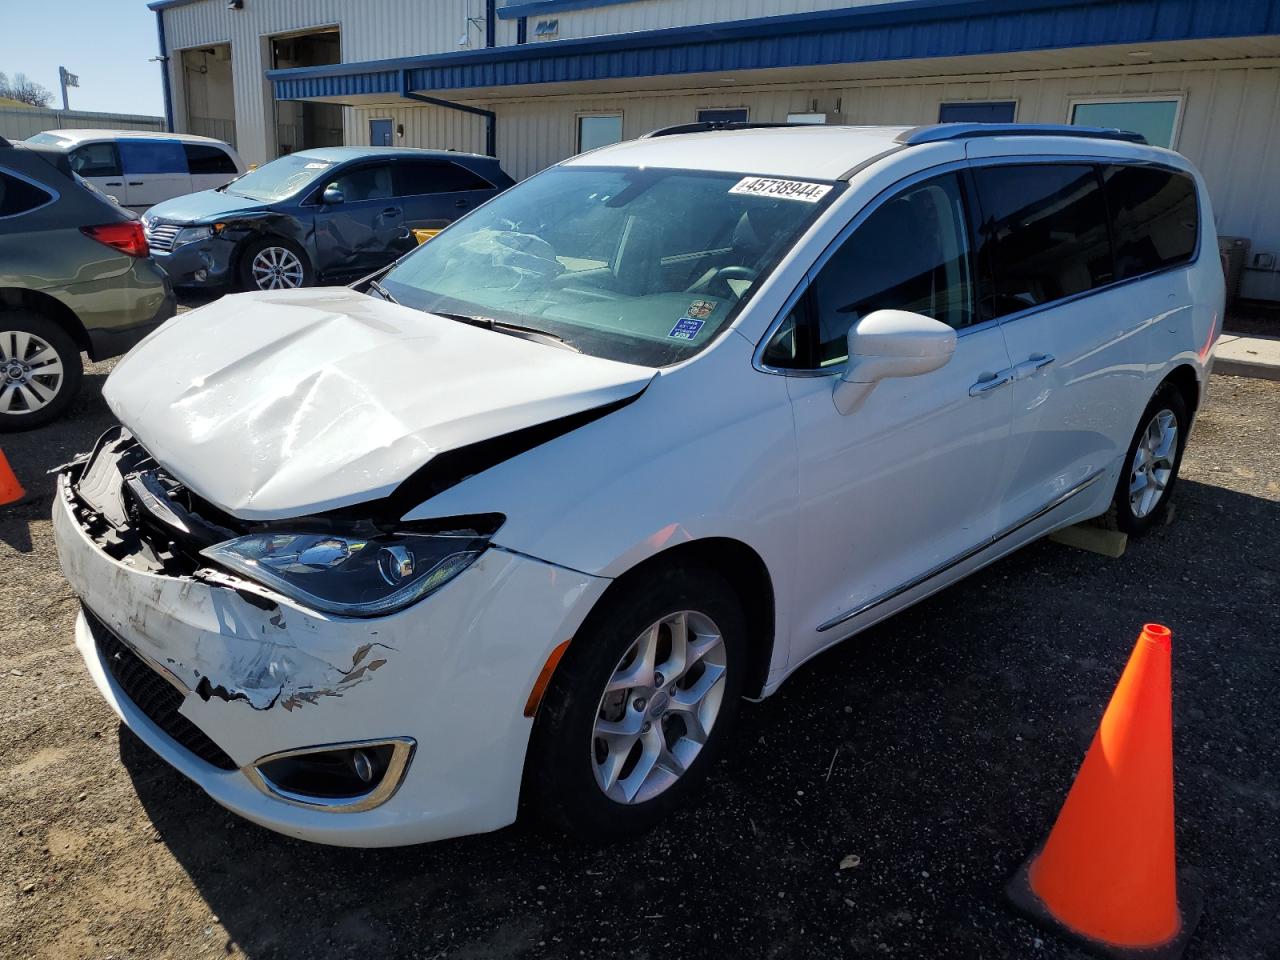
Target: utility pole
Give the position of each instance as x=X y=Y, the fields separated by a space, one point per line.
x=67 y=79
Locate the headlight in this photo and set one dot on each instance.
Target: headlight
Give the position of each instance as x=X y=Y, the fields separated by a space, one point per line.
x=351 y=575
x=190 y=234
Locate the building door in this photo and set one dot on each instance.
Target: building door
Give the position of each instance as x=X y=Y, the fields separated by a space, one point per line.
x=995 y=111
x=379 y=133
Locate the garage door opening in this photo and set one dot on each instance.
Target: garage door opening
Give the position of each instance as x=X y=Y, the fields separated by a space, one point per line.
x=301 y=124
x=210 y=97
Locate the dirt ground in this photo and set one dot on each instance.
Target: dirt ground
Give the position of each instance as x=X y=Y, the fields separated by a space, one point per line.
x=935 y=750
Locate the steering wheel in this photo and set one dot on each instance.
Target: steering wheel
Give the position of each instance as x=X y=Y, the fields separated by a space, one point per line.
x=717 y=284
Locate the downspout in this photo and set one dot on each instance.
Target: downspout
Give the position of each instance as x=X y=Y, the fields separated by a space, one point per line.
x=164 y=72
x=490 y=118
x=522 y=30
x=490 y=23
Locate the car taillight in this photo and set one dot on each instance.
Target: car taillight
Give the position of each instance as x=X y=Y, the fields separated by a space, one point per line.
x=126 y=236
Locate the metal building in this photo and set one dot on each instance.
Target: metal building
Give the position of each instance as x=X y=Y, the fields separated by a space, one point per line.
x=536 y=81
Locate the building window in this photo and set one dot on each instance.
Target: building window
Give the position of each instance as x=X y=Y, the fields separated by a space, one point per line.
x=977 y=111
x=1156 y=118
x=599 y=130
x=723 y=115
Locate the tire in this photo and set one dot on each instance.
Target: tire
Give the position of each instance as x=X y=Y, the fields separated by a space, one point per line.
x=1151 y=464
x=570 y=762
x=40 y=370
x=274 y=263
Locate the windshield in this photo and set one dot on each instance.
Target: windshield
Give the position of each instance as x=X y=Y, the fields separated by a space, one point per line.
x=279 y=179
x=639 y=265
x=48 y=138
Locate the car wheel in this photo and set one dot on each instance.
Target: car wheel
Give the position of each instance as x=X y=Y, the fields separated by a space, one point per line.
x=1151 y=464
x=40 y=370
x=641 y=705
x=272 y=263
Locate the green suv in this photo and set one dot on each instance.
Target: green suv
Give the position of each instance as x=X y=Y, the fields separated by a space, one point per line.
x=75 y=276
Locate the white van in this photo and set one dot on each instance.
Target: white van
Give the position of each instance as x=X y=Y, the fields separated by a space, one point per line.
x=529 y=513
x=140 y=168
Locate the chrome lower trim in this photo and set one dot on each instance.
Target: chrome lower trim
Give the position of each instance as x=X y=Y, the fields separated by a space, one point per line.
x=401 y=754
x=961 y=558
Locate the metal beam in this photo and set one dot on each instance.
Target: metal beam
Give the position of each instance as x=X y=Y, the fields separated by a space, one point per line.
x=490 y=118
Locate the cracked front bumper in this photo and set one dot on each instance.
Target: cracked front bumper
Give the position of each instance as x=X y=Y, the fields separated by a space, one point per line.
x=457 y=671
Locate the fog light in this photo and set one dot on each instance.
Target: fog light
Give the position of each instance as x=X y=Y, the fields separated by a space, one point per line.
x=201 y=276
x=341 y=778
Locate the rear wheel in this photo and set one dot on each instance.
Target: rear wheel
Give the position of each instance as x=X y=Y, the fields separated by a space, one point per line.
x=40 y=370
x=641 y=705
x=1151 y=463
x=273 y=263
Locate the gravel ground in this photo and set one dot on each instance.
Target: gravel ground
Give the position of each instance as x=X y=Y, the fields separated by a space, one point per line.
x=934 y=750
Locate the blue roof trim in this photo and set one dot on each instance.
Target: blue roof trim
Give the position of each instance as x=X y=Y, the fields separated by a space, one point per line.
x=901 y=30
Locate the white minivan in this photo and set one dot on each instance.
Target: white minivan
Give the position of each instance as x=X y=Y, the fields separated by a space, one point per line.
x=528 y=514
x=140 y=168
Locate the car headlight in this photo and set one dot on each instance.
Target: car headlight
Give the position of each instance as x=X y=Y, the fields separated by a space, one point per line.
x=351 y=575
x=191 y=234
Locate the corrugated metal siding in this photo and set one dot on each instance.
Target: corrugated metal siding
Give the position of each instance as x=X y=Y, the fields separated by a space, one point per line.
x=371 y=30
x=17 y=123
x=656 y=14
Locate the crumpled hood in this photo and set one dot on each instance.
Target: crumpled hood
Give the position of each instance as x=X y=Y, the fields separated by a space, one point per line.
x=286 y=403
x=204 y=205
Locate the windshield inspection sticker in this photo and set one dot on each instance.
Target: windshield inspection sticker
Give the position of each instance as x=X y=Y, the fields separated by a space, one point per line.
x=701 y=309
x=686 y=328
x=785 y=189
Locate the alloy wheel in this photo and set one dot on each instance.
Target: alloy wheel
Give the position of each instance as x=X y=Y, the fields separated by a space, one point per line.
x=659 y=707
x=1152 y=466
x=31 y=373
x=276 y=268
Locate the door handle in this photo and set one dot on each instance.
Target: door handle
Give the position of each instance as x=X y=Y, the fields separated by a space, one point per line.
x=391 y=212
x=1032 y=366
x=135 y=183
x=992 y=382
x=460 y=204
x=114 y=183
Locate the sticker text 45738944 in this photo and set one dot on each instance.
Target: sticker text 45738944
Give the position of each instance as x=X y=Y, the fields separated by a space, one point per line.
x=785 y=189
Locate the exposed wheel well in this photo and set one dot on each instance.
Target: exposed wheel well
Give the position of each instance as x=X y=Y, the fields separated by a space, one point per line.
x=749 y=577
x=1184 y=379
x=16 y=298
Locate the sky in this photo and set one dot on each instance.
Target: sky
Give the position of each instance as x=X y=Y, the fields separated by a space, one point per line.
x=105 y=42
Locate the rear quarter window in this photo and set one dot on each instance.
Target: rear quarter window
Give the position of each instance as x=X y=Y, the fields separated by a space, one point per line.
x=203 y=158
x=18 y=196
x=140 y=157
x=1155 y=218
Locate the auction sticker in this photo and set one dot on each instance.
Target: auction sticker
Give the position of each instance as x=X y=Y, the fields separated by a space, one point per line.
x=686 y=328
x=784 y=189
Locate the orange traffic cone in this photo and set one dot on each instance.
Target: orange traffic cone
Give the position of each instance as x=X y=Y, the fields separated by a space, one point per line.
x=10 y=489
x=1106 y=876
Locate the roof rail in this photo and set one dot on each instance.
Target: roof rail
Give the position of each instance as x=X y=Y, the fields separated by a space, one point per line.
x=935 y=132
x=706 y=126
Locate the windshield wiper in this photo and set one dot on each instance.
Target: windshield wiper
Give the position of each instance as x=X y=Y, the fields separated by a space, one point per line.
x=515 y=329
x=381 y=291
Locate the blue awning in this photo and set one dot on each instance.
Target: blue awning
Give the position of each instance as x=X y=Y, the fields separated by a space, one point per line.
x=901 y=30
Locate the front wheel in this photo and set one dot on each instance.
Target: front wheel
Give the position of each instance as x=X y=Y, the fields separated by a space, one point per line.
x=272 y=263
x=641 y=705
x=1151 y=463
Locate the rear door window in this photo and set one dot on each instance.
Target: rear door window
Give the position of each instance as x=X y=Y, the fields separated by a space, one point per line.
x=417 y=177
x=1044 y=230
x=96 y=160
x=1155 y=218
x=20 y=196
x=141 y=157
x=204 y=158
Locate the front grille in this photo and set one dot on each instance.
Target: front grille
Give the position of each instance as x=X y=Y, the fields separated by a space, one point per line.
x=160 y=235
x=153 y=695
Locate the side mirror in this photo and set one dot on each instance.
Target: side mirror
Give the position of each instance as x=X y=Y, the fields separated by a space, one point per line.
x=332 y=194
x=890 y=343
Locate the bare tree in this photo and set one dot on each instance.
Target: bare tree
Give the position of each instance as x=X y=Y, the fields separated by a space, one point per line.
x=26 y=91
